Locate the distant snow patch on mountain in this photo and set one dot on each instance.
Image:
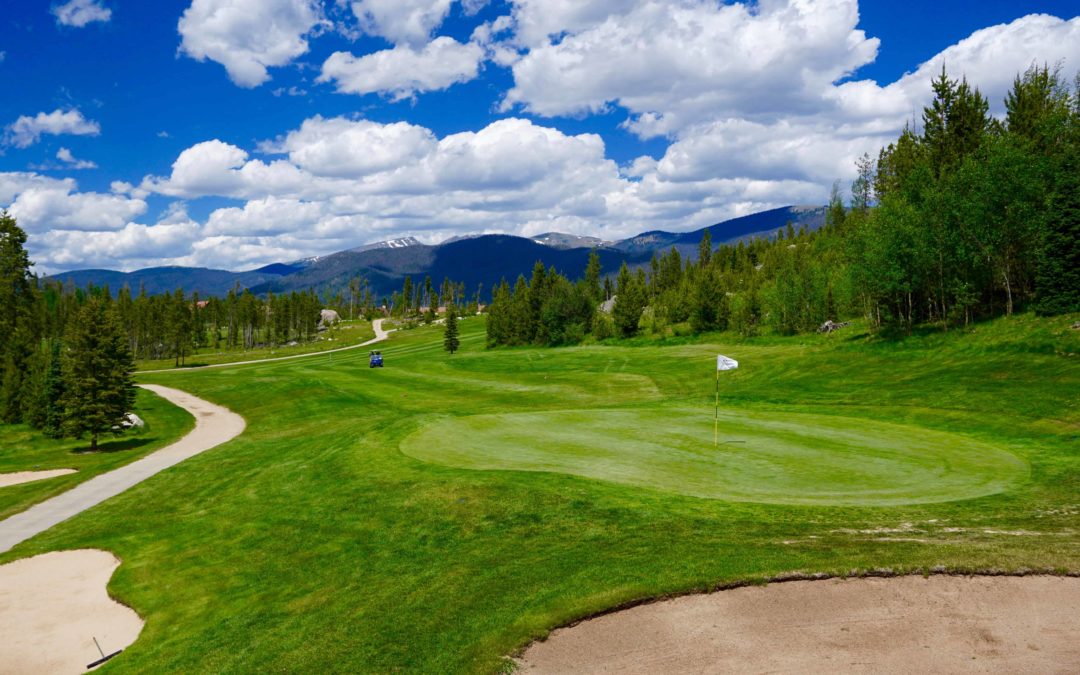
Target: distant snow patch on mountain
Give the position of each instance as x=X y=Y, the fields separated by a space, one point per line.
x=403 y=242
x=567 y=241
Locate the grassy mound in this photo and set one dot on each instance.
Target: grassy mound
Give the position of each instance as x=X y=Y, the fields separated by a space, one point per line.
x=779 y=458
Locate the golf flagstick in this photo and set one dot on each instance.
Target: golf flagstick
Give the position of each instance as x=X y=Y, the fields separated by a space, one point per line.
x=716 y=412
x=722 y=363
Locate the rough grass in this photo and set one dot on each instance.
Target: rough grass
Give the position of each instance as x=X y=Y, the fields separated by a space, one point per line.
x=25 y=449
x=312 y=543
x=344 y=334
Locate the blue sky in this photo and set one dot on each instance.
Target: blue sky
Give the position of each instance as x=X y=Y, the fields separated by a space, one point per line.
x=231 y=133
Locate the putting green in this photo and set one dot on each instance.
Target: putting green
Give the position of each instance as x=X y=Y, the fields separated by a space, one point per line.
x=782 y=458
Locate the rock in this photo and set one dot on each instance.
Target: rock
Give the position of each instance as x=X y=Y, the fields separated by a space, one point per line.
x=608 y=306
x=132 y=420
x=830 y=326
x=328 y=317
x=1076 y=326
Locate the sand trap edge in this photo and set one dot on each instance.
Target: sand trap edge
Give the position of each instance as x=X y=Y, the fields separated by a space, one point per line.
x=879 y=573
x=68 y=593
x=607 y=640
x=20 y=477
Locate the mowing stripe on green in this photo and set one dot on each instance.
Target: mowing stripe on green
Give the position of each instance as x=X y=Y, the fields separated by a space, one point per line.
x=781 y=458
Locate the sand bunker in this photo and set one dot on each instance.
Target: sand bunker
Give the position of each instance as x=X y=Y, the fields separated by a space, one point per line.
x=18 y=477
x=900 y=625
x=52 y=606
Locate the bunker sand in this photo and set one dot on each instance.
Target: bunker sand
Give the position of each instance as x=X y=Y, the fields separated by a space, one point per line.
x=20 y=477
x=52 y=606
x=899 y=625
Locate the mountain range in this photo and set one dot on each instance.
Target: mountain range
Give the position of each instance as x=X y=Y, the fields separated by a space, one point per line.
x=474 y=260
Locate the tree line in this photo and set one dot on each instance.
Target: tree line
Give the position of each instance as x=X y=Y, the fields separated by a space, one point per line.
x=70 y=378
x=971 y=218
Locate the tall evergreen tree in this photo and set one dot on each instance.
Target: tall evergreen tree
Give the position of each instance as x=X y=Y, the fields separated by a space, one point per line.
x=18 y=333
x=451 y=342
x=180 y=326
x=52 y=393
x=705 y=249
x=98 y=372
x=955 y=123
x=592 y=277
x=1057 y=281
x=630 y=299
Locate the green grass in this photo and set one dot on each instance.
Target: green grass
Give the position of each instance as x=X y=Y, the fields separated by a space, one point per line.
x=778 y=458
x=313 y=543
x=25 y=449
x=344 y=334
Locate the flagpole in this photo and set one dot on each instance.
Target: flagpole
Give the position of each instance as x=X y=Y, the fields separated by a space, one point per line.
x=716 y=412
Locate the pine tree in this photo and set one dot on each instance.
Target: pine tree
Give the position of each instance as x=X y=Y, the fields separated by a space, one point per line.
x=710 y=308
x=705 y=249
x=98 y=373
x=18 y=334
x=52 y=394
x=630 y=301
x=863 y=185
x=180 y=326
x=406 y=297
x=499 y=328
x=1057 y=280
x=592 y=276
x=450 y=333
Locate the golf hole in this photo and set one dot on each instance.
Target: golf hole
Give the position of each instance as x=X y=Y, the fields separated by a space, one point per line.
x=780 y=458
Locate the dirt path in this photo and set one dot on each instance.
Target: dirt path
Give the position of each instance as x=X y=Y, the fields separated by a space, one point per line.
x=53 y=606
x=900 y=625
x=213 y=426
x=377 y=324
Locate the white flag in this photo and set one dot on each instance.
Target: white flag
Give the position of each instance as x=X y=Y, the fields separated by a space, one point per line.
x=725 y=363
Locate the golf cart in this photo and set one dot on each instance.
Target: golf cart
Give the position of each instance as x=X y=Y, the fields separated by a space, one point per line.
x=375 y=360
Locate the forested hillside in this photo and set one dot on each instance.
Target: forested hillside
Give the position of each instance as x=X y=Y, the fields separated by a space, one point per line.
x=475 y=260
x=971 y=218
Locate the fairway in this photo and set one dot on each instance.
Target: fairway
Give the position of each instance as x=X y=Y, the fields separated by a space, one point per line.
x=441 y=513
x=780 y=458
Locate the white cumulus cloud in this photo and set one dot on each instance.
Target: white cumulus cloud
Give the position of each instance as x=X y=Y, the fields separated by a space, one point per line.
x=25 y=131
x=401 y=21
x=344 y=148
x=41 y=204
x=687 y=61
x=248 y=36
x=403 y=72
x=756 y=101
x=72 y=162
x=78 y=13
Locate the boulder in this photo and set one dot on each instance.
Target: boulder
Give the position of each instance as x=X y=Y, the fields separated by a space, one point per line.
x=328 y=317
x=830 y=326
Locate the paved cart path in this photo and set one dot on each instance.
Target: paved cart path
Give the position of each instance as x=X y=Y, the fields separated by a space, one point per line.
x=377 y=324
x=214 y=425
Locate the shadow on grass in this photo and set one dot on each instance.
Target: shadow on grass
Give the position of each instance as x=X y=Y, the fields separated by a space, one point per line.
x=115 y=445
